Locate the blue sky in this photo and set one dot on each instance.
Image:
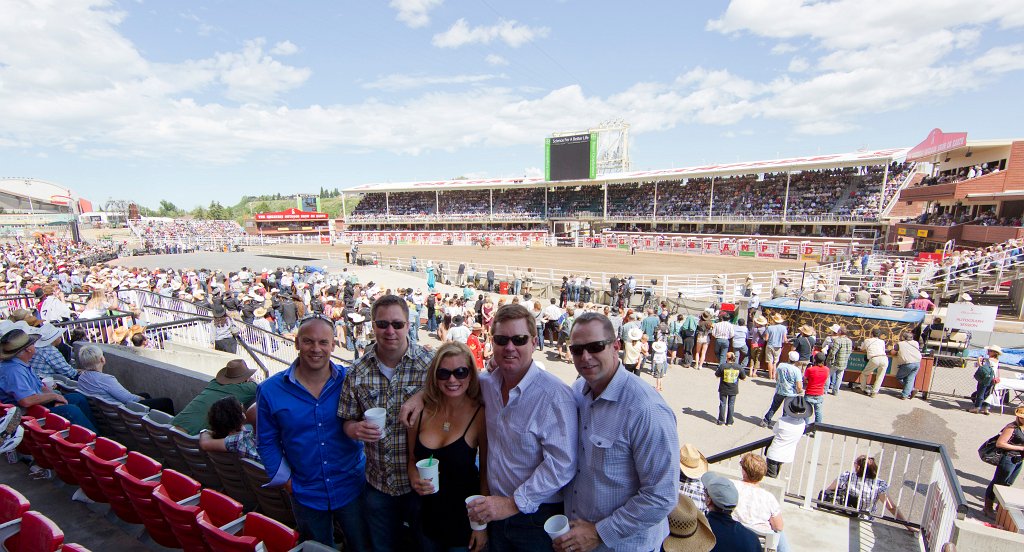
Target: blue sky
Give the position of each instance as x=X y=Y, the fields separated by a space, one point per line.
x=197 y=101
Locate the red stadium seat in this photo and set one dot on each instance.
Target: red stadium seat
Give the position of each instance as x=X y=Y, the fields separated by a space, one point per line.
x=101 y=460
x=246 y=533
x=99 y=463
x=67 y=444
x=34 y=412
x=139 y=476
x=73 y=547
x=179 y=499
x=12 y=504
x=42 y=449
x=33 y=533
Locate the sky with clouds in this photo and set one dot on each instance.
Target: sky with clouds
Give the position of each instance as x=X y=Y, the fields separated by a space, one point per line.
x=193 y=101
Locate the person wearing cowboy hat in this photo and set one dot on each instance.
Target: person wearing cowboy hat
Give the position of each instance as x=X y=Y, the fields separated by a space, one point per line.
x=922 y=303
x=688 y=529
x=234 y=379
x=877 y=365
x=774 y=336
x=632 y=355
x=621 y=505
x=48 y=360
x=721 y=500
x=821 y=293
x=20 y=386
x=884 y=297
x=804 y=342
x=692 y=465
x=788 y=431
x=987 y=375
x=837 y=357
x=843 y=296
x=862 y=296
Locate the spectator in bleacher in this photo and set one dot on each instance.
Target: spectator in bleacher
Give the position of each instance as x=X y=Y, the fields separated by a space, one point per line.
x=21 y=387
x=48 y=360
x=757 y=508
x=228 y=430
x=922 y=303
x=94 y=383
x=861 y=488
x=233 y=380
x=693 y=465
x=303 y=443
x=731 y=535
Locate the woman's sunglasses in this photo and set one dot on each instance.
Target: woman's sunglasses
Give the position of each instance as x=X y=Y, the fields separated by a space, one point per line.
x=593 y=347
x=517 y=340
x=383 y=324
x=444 y=374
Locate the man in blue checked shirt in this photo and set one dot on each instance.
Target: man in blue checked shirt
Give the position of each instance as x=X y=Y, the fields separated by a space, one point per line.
x=302 y=442
x=627 y=479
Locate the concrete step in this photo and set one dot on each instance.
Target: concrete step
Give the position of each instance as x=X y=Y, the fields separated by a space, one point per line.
x=821 y=530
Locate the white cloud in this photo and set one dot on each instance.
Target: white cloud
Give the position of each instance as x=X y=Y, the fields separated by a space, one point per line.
x=414 y=13
x=397 y=81
x=495 y=59
x=284 y=48
x=511 y=32
x=252 y=76
x=798 y=65
x=783 y=48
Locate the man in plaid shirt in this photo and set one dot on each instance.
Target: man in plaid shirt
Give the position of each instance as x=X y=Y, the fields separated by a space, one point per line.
x=390 y=372
x=838 y=356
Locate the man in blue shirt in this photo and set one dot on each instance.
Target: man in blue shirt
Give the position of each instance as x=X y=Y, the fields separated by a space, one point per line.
x=19 y=385
x=774 y=336
x=787 y=384
x=302 y=442
x=730 y=535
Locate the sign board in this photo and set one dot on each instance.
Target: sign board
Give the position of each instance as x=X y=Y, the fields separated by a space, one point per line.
x=937 y=142
x=970 y=317
x=922 y=233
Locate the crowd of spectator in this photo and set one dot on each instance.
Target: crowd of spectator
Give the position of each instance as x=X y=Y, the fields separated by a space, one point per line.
x=964 y=173
x=160 y=229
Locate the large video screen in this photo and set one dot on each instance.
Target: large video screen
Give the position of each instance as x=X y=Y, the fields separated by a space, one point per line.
x=570 y=157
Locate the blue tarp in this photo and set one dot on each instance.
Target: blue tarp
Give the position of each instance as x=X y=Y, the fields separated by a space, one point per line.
x=895 y=314
x=1014 y=357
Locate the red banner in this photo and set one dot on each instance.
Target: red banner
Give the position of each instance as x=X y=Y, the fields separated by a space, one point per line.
x=292 y=214
x=937 y=142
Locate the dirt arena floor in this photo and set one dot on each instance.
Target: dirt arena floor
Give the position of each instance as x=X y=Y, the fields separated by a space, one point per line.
x=594 y=261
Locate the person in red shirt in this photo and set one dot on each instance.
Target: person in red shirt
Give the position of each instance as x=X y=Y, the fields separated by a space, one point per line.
x=475 y=345
x=815 y=379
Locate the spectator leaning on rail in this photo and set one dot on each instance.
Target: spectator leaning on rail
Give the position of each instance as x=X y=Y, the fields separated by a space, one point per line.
x=625 y=485
x=229 y=430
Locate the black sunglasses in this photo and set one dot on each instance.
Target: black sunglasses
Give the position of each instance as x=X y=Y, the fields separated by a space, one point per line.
x=383 y=324
x=444 y=374
x=315 y=317
x=593 y=347
x=517 y=340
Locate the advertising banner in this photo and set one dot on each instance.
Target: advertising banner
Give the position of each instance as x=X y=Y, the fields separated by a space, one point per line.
x=970 y=317
x=767 y=250
x=788 y=251
x=810 y=252
x=727 y=247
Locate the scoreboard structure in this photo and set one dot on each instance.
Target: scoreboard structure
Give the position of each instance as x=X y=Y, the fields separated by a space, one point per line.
x=571 y=157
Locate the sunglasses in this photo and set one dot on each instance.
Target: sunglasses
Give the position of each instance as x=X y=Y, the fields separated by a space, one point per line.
x=444 y=374
x=316 y=317
x=383 y=324
x=517 y=340
x=593 y=347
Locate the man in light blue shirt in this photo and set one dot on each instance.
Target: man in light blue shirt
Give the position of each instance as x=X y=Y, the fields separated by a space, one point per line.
x=788 y=383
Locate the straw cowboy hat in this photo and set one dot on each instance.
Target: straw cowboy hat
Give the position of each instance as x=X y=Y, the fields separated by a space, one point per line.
x=884 y=291
x=688 y=529
x=692 y=462
x=48 y=334
x=659 y=347
x=806 y=330
x=760 y=320
x=924 y=294
x=121 y=333
x=357 y=318
x=235 y=371
x=260 y=312
x=995 y=348
x=14 y=342
x=777 y=318
x=635 y=334
x=834 y=328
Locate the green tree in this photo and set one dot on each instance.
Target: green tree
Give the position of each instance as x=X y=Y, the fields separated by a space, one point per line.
x=261 y=207
x=168 y=209
x=200 y=213
x=217 y=211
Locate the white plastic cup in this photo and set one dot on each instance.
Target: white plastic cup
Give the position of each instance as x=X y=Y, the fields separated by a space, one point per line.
x=49 y=382
x=377 y=417
x=472 y=524
x=556 y=526
x=428 y=470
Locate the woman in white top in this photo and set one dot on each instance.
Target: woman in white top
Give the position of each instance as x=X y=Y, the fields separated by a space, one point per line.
x=97 y=305
x=757 y=508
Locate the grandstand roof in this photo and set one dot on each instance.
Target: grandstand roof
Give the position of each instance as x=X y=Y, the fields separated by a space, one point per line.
x=813 y=162
x=37 y=190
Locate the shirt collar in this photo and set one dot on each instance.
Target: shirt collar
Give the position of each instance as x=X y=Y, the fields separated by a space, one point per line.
x=614 y=389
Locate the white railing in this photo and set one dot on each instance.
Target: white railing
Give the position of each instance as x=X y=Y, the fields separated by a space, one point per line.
x=96 y=330
x=905 y=179
x=922 y=483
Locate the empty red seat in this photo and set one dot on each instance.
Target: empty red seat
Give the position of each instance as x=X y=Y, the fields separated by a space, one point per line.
x=33 y=533
x=34 y=412
x=176 y=498
x=101 y=460
x=246 y=533
x=139 y=476
x=42 y=449
x=73 y=547
x=12 y=504
x=66 y=445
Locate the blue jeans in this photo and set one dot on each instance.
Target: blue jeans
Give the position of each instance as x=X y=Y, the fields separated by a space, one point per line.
x=777 y=401
x=77 y=411
x=742 y=355
x=721 y=348
x=318 y=525
x=522 y=532
x=384 y=516
x=817 y=401
x=906 y=373
x=1006 y=474
x=726 y=405
x=984 y=388
x=540 y=336
x=431 y=321
x=835 y=379
x=517 y=285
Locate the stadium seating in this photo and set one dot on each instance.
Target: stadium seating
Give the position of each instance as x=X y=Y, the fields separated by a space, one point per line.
x=12 y=504
x=131 y=415
x=198 y=461
x=169 y=229
x=39 y=433
x=228 y=466
x=246 y=533
x=67 y=444
x=139 y=476
x=34 y=532
x=101 y=461
x=273 y=501
x=158 y=426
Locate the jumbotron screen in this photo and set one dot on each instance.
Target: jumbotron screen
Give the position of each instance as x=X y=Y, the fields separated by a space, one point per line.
x=570 y=157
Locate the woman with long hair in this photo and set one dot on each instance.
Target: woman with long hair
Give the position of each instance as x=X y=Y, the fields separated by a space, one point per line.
x=223 y=337
x=987 y=375
x=451 y=430
x=1011 y=442
x=700 y=347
